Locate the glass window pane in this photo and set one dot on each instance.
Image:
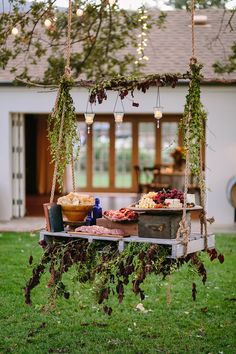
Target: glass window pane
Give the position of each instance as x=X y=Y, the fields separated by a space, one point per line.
x=146 y=144
x=81 y=163
x=169 y=140
x=101 y=145
x=123 y=152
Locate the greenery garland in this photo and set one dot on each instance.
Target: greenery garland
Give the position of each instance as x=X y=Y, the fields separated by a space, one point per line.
x=194 y=118
x=125 y=84
x=108 y=270
x=70 y=142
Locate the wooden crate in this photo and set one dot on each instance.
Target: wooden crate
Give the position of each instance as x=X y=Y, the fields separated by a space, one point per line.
x=163 y=226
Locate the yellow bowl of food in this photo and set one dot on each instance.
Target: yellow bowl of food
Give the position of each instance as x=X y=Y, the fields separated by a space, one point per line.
x=75 y=206
x=76 y=212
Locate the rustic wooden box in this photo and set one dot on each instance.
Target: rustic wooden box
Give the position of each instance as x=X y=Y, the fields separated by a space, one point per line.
x=164 y=226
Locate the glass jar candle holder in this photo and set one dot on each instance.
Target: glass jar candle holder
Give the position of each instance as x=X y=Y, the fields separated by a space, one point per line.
x=158 y=113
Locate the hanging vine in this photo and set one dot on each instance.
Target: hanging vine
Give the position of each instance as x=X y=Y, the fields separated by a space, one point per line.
x=63 y=139
x=194 y=117
x=108 y=270
x=125 y=84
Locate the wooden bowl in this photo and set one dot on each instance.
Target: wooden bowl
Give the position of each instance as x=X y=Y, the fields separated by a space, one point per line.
x=76 y=212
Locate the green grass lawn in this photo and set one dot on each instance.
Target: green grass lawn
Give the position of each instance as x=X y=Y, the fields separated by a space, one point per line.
x=78 y=325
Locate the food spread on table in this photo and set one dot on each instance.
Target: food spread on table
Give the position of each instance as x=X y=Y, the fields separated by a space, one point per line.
x=163 y=199
x=121 y=215
x=150 y=202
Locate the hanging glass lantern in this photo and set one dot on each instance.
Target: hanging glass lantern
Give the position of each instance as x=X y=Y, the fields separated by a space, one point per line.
x=158 y=112
x=119 y=117
x=158 y=109
x=89 y=117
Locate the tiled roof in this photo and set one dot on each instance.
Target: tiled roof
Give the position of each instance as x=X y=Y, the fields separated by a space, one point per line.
x=169 y=48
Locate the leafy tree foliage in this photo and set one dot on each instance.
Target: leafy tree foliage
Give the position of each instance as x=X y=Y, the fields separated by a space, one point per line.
x=200 y=4
x=230 y=65
x=99 y=38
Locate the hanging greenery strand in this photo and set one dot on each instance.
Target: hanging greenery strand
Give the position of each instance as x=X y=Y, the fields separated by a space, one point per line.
x=125 y=84
x=195 y=110
x=194 y=119
x=62 y=131
x=62 y=123
x=109 y=270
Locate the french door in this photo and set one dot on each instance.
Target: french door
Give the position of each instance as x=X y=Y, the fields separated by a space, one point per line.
x=109 y=152
x=18 y=165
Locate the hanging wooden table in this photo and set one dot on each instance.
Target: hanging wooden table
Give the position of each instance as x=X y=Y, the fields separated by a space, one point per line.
x=177 y=249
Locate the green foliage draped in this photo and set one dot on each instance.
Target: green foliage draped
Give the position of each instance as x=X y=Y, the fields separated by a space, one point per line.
x=61 y=154
x=106 y=269
x=228 y=66
x=194 y=118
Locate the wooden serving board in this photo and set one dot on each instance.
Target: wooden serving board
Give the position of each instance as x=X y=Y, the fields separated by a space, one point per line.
x=100 y=235
x=162 y=210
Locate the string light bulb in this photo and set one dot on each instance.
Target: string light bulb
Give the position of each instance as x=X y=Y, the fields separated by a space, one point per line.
x=79 y=12
x=142 y=36
x=15 y=31
x=47 y=23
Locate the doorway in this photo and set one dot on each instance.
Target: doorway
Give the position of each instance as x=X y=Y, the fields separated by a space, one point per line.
x=38 y=169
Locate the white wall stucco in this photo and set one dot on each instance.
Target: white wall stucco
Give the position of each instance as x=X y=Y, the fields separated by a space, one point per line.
x=219 y=101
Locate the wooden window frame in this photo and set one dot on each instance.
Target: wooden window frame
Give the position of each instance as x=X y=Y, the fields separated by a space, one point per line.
x=135 y=119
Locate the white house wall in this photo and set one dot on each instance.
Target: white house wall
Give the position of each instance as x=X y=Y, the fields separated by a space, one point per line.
x=220 y=103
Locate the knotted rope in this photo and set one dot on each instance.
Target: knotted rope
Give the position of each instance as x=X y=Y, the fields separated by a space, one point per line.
x=203 y=215
x=184 y=228
x=193 y=27
x=67 y=73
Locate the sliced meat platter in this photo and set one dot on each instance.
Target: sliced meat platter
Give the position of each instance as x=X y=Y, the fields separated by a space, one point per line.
x=124 y=214
x=99 y=230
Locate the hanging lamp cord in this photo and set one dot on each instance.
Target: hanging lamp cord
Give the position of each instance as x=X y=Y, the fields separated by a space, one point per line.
x=67 y=73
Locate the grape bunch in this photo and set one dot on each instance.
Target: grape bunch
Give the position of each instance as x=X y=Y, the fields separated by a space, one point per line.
x=168 y=194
